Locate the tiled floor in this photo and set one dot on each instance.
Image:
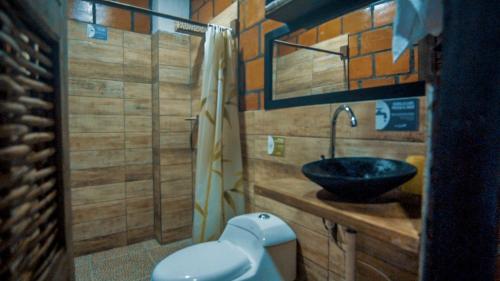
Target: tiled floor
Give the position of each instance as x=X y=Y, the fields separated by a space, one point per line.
x=130 y=263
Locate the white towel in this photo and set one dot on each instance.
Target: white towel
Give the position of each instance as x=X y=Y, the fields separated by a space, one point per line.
x=414 y=20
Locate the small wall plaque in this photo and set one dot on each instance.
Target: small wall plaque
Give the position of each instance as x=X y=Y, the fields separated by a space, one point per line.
x=397 y=115
x=276 y=146
x=95 y=31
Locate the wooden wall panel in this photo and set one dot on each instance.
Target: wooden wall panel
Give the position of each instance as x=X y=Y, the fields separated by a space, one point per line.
x=305 y=72
x=110 y=138
x=173 y=182
x=306 y=131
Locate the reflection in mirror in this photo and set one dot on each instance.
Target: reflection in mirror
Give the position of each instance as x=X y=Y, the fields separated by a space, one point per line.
x=302 y=70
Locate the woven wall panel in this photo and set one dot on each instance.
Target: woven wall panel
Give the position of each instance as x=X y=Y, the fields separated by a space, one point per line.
x=29 y=225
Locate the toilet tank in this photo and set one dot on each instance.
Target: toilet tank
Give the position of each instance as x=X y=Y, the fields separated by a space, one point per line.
x=276 y=236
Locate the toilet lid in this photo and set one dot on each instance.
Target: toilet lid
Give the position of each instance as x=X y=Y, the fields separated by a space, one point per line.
x=208 y=261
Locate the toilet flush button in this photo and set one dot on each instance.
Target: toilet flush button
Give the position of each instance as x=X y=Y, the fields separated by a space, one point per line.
x=264 y=216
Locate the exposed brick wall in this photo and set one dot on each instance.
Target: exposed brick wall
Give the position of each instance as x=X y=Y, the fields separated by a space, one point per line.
x=112 y=17
x=370 y=33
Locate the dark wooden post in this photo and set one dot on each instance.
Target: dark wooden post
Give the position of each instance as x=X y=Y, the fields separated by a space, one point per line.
x=462 y=193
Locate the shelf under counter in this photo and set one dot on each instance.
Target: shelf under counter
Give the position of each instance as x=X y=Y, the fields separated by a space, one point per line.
x=394 y=217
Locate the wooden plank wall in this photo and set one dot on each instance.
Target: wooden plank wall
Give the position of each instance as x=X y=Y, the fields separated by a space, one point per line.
x=305 y=72
x=173 y=190
x=306 y=131
x=110 y=138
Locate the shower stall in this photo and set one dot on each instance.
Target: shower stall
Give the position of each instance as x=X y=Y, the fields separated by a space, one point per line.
x=133 y=102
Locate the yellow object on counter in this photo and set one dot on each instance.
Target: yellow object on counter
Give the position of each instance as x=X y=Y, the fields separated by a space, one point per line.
x=416 y=184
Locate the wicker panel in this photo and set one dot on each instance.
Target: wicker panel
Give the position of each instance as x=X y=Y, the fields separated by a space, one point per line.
x=29 y=185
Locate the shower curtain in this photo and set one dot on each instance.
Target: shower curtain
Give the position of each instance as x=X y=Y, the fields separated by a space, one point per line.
x=219 y=173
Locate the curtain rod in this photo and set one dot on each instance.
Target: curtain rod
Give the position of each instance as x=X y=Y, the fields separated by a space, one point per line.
x=342 y=52
x=129 y=7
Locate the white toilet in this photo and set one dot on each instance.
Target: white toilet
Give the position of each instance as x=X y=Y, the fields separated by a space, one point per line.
x=257 y=246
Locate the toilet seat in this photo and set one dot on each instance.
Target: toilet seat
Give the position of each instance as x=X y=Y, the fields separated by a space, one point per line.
x=211 y=261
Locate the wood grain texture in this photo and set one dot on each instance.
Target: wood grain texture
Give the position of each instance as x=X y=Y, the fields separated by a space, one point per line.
x=174 y=91
x=97 y=228
x=100 y=243
x=138 y=156
x=95 y=88
x=95 y=52
x=138 y=140
x=173 y=124
x=95 y=70
x=139 y=188
x=136 y=41
x=96 y=141
x=111 y=136
x=98 y=211
x=137 y=73
x=389 y=222
x=176 y=172
x=138 y=172
x=310 y=271
x=177 y=188
x=136 y=235
x=171 y=138
x=97 y=176
x=96 y=123
x=174 y=57
x=305 y=72
x=133 y=90
x=96 y=159
x=174 y=74
x=179 y=214
x=138 y=123
x=371 y=268
x=96 y=194
x=95 y=106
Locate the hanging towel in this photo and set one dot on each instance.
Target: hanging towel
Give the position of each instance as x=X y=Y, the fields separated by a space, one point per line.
x=414 y=20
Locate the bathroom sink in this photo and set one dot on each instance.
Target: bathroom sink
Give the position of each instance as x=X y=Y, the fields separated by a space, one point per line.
x=358 y=178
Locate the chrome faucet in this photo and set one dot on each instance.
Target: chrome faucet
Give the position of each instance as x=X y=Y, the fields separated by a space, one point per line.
x=354 y=123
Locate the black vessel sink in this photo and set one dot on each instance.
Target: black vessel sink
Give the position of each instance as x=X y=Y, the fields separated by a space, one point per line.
x=358 y=178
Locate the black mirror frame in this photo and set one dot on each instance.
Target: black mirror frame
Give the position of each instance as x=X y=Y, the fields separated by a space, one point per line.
x=415 y=89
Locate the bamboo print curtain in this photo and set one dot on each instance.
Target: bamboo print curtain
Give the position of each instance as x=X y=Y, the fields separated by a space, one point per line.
x=219 y=174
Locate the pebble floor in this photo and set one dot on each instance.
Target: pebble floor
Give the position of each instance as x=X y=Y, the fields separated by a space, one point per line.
x=130 y=263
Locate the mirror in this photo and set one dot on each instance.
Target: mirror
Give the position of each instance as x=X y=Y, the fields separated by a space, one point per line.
x=304 y=70
x=340 y=59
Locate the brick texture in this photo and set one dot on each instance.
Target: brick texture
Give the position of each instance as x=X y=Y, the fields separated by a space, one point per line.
x=308 y=38
x=329 y=29
x=357 y=21
x=252 y=11
x=376 y=40
x=205 y=14
x=360 y=67
x=370 y=37
x=250 y=101
x=249 y=43
x=221 y=5
x=384 y=13
x=384 y=65
x=254 y=74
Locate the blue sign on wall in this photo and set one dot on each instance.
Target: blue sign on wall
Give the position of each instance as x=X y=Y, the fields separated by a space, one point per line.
x=397 y=115
x=95 y=31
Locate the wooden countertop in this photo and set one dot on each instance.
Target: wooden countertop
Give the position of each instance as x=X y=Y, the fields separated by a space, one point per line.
x=393 y=217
